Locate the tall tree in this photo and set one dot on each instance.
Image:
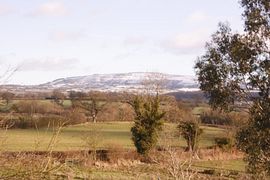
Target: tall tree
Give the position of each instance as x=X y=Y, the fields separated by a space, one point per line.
x=233 y=67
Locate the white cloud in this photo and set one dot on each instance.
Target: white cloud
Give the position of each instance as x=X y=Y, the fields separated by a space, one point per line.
x=5 y=9
x=122 y=56
x=135 y=40
x=186 y=43
x=66 y=36
x=51 y=9
x=198 y=16
x=49 y=64
x=8 y=59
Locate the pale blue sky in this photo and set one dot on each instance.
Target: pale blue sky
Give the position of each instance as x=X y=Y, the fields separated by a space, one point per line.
x=50 y=39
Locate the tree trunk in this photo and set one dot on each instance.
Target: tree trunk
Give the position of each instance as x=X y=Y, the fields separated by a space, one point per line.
x=94 y=118
x=189 y=145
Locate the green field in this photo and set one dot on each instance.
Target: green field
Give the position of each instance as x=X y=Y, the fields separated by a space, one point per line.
x=236 y=165
x=117 y=134
x=71 y=137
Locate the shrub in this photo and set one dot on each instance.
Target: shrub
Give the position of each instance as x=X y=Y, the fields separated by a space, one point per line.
x=125 y=113
x=190 y=130
x=74 y=116
x=35 y=106
x=215 y=118
x=27 y=122
x=116 y=112
x=108 y=112
x=209 y=171
x=219 y=118
x=22 y=122
x=116 y=152
x=148 y=121
x=49 y=121
x=225 y=143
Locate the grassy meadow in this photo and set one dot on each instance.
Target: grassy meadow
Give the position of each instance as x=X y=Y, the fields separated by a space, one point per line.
x=109 y=135
x=71 y=137
x=113 y=134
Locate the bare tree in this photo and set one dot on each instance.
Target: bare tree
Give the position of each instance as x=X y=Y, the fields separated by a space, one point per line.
x=154 y=83
x=177 y=167
x=91 y=102
x=7 y=96
x=92 y=140
x=58 y=97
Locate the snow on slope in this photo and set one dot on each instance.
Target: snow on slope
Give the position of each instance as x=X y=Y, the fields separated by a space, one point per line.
x=121 y=82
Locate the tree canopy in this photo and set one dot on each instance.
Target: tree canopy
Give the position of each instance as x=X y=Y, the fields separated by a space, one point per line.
x=236 y=67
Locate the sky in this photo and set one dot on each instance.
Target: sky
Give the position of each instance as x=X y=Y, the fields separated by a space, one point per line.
x=49 y=39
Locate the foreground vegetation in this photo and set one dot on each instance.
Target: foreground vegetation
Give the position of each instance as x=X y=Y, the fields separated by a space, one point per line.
x=121 y=169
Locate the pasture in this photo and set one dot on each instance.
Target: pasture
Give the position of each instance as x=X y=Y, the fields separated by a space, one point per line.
x=107 y=136
x=71 y=137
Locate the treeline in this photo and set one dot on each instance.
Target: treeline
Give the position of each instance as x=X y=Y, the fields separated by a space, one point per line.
x=76 y=107
x=189 y=96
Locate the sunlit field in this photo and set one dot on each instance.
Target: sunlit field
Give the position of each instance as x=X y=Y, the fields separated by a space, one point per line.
x=71 y=137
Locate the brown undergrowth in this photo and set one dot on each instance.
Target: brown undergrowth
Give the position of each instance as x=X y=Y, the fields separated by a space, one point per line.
x=74 y=164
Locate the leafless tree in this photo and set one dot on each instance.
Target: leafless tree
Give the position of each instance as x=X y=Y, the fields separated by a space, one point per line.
x=177 y=168
x=154 y=83
x=92 y=139
x=7 y=96
x=58 y=97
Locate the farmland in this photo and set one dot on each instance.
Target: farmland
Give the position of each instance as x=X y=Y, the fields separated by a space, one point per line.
x=70 y=138
x=61 y=134
x=113 y=134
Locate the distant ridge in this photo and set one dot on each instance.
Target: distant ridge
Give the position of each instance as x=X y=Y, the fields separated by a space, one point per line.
x=114 y=82
x=121 y=82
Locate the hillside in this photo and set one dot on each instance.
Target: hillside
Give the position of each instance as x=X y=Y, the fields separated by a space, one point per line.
x=111 y=82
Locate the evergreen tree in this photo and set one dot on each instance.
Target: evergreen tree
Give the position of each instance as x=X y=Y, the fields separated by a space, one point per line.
x=148 y=121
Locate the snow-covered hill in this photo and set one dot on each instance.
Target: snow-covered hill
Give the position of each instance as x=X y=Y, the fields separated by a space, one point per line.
x=121 y=82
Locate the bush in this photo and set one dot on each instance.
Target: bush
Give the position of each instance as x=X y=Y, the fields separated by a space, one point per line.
x=191 y=132
x=225 y=143
x=219 y=118
x=74 y=116
x=116 y=112
x=24 y=122
x=108 y=113
x=215 y=118
x=49 y=121
x=5 y=109
x=28 y=122
x=35 y=106
x=21 y=122
x=115 y=152
x=209 y=171
x=148 y=122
